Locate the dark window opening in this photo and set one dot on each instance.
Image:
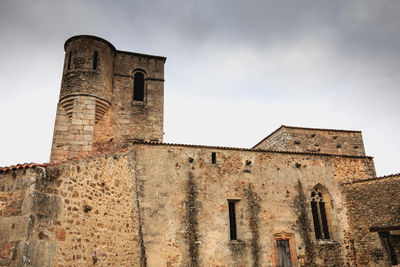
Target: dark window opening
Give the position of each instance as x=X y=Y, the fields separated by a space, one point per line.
x=138 y=87
x=213 y=157
x=232 y=220
x=95 y=58
x=318 y=211
x=387 y=244
x=324 y=221
x=69 y=60
x=317 y=228
x=284 y=259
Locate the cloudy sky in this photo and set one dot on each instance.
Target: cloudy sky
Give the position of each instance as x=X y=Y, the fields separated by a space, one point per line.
x=236 y=69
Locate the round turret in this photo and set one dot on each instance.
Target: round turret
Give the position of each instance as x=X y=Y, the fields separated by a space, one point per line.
x=88 y=67
x=108 y=98
x=85 y=97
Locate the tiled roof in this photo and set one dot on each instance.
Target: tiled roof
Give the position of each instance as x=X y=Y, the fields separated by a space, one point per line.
x=321 y=129
x=305 y=128
x=33 y=165
x=23 y=166
x=57 y=162
x=373 y=178
x=252 y=150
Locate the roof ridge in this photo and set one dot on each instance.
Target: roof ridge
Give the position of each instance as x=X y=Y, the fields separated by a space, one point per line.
x=252 y=150
x=57 y=162
x=265 y=138
x=321 y=129
x=305 y=128
x=373 y=178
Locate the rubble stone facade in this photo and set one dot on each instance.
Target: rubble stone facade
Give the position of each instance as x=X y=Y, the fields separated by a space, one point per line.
x=115 y=195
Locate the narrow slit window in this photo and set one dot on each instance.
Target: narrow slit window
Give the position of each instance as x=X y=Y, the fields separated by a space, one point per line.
x=95 y=59
x=138 y=87
x=232 y=220
x=213 y=157
x=69 y=61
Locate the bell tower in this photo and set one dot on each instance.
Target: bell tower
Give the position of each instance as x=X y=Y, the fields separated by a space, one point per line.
x=108 y=98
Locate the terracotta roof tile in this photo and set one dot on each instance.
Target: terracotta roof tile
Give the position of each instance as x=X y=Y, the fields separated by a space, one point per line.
x=252 y=150
x=373 y=178
x=57 y=162
x=321 y=129
x=22 y=166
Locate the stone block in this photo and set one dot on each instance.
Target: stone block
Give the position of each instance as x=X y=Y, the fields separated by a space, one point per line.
x=15 y=228
x=35 y=253
x=61 y=128
x=76 y=122
x=88 y=137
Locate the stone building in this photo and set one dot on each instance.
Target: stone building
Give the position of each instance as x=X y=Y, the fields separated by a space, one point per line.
x=114 y=194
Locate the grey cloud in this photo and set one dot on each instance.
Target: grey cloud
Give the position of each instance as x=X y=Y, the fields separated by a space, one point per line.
x=309 y=63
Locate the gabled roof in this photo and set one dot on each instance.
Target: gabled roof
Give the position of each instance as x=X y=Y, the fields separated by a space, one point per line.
x=305 y=128
x=253 y=150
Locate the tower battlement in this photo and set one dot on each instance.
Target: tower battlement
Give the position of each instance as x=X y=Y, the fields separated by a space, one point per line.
x=108 y=98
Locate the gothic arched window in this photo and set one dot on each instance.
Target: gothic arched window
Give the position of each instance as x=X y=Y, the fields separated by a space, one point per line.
x=138 y=87
x=318 y=210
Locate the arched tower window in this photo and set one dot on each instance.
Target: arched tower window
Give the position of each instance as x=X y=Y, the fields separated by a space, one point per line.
x=318 y=209
x=138 y=87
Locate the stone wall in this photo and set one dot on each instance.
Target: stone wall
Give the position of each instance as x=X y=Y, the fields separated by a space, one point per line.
x=96 y=111
x=98 y=223
x=73 y=135
x=299 y=139
x=85 y=95
x=167 y=205
x=22 y=208
x=78 y=213
x=373 y=206
x=136 y=120
x=82 y=77
x=184 y=200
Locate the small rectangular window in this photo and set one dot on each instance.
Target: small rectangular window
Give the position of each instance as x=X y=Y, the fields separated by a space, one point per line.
x=95 y=56
x=213 y=157
x=232 y=219
x=69 y=61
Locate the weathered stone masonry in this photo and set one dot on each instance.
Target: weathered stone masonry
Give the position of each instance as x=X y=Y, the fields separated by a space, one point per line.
x=115 y=195
x=267 y=192
x=82 y=212
x=374 y=209
x=96 y=110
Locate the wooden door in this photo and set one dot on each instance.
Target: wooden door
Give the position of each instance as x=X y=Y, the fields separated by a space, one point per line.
x=283 y=253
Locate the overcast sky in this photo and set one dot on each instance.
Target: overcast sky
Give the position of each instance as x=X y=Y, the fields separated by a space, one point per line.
x=236 y=70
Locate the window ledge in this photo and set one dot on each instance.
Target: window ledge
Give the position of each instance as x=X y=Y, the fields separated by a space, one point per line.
x=236 y=242
x=138 y=103
x=327 y=242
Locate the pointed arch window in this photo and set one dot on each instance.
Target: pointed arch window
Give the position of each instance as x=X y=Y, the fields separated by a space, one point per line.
x=138 y=87
x=318 y=209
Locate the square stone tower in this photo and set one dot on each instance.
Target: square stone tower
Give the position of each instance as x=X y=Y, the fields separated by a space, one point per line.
x=108 y=98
